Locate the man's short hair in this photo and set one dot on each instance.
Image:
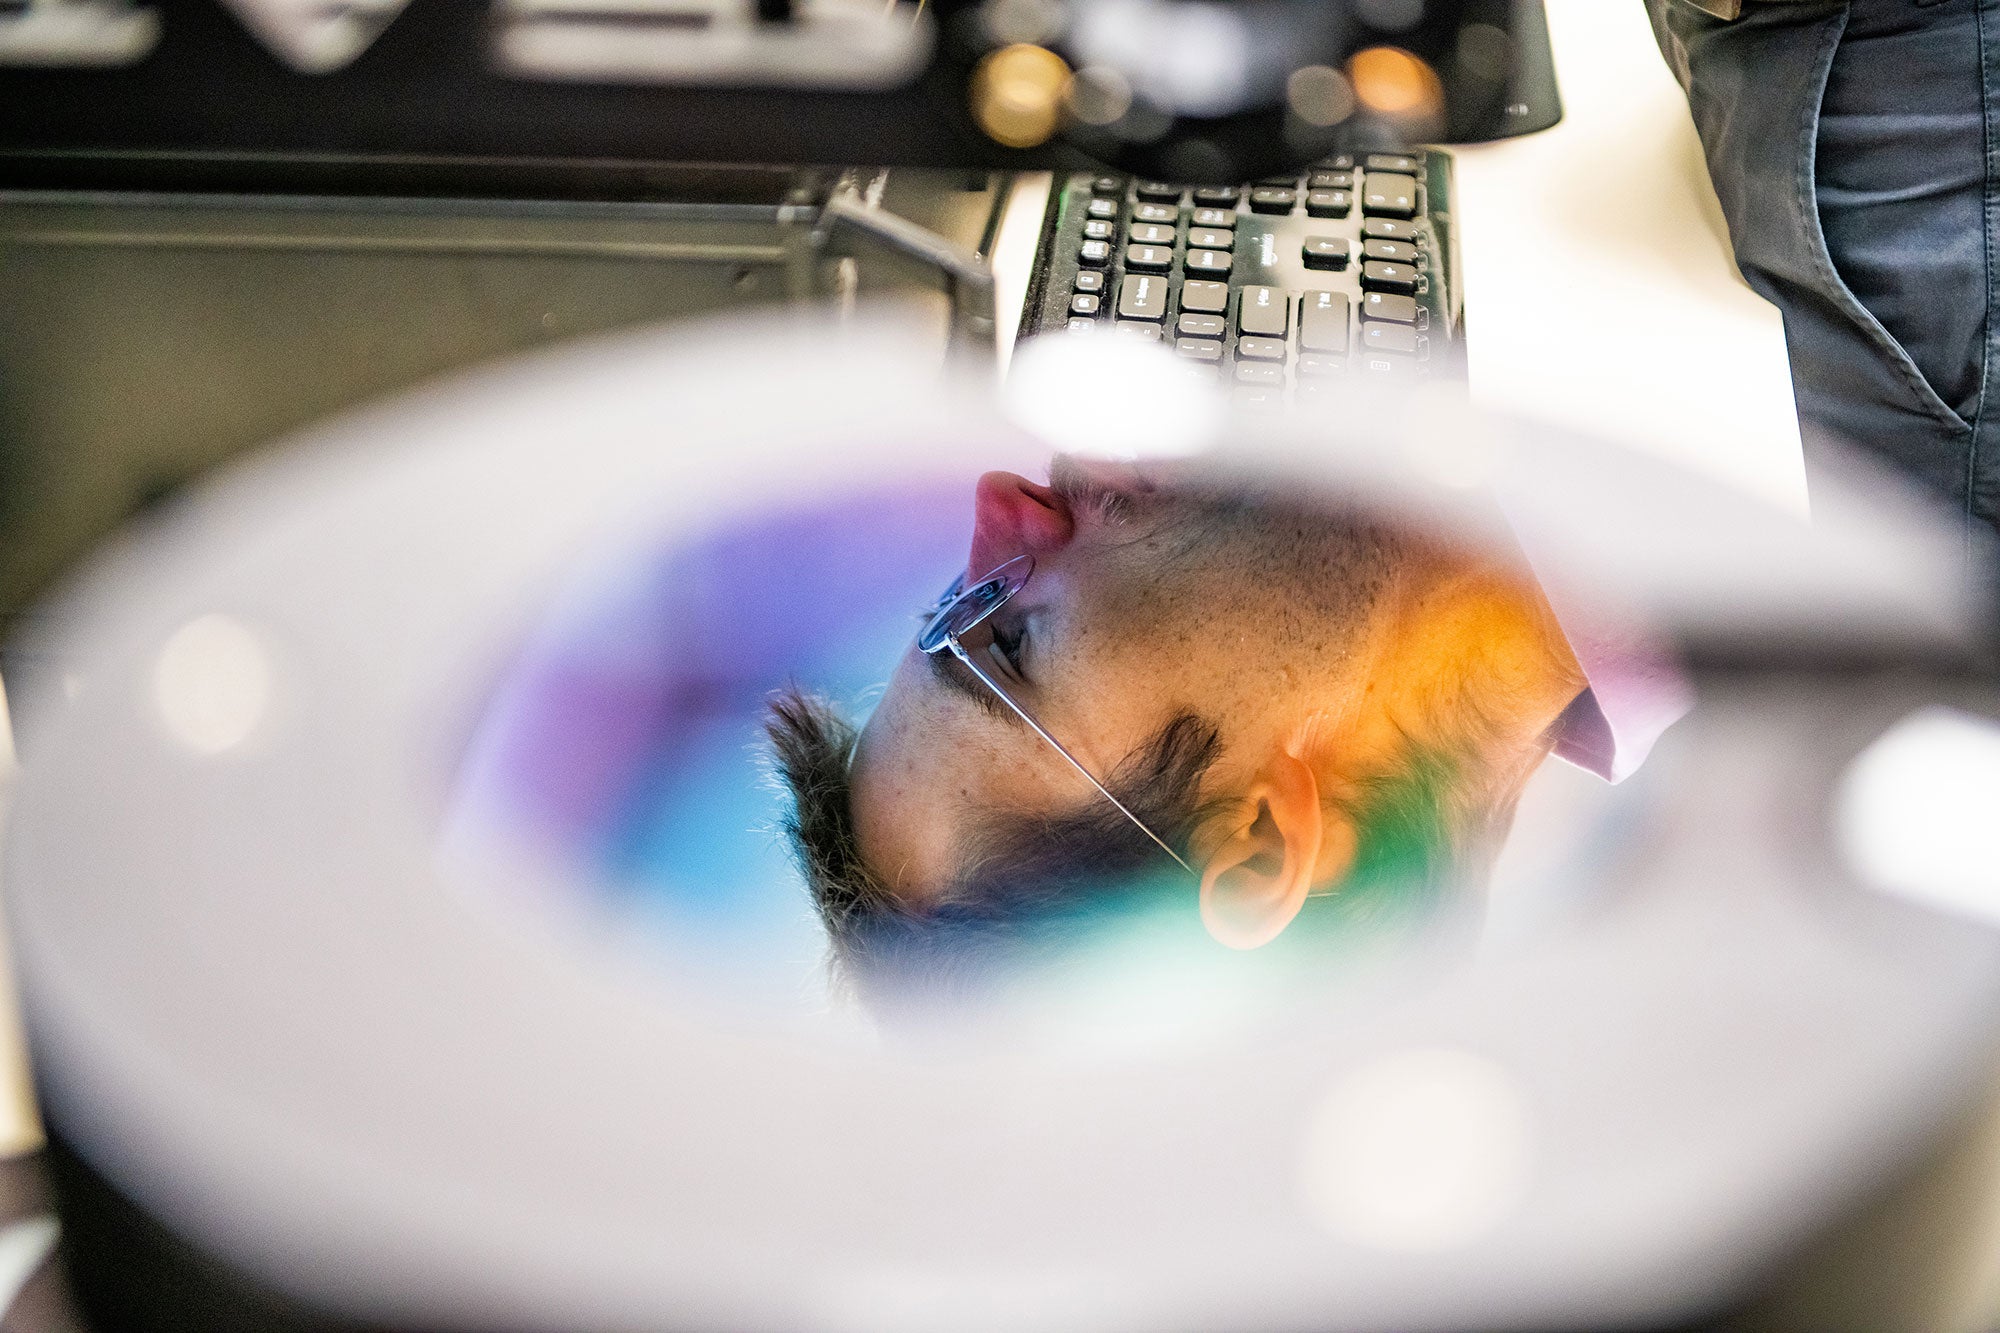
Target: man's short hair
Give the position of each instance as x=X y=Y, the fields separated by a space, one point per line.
x=1021 y=879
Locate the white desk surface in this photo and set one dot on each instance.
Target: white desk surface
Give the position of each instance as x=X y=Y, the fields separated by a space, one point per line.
x=1600 y=289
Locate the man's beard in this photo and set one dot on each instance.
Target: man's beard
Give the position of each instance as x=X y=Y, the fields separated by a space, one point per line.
x=1191 y=496
x=1315 y=562
x=1087 y=494
x=1198 y=508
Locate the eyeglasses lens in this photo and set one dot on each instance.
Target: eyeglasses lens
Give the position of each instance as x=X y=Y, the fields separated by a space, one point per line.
x=961 y=609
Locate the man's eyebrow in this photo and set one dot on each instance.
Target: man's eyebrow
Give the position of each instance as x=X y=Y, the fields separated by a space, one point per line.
x=956 y=676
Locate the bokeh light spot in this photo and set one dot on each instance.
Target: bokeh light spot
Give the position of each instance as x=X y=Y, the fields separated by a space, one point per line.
x=1391 y=82
x=1018 y=93
x=1319 y=95
x=212 y=684
x=1420 y=1151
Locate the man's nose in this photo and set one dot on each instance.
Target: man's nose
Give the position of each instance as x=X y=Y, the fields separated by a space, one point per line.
x=1013 y=516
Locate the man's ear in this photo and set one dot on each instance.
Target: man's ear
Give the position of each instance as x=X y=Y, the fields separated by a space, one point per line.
x=1255 y=882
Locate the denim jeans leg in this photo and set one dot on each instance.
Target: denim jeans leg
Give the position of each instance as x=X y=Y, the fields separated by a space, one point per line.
x=1850 y=144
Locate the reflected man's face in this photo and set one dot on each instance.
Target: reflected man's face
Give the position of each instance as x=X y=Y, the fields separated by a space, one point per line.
x=1329 y=652
x=1103 y=645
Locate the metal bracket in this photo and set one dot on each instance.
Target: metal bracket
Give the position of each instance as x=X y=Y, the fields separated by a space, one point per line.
x=967 y=278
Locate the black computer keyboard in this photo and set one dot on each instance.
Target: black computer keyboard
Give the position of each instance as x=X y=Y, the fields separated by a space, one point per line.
x=1291 y=286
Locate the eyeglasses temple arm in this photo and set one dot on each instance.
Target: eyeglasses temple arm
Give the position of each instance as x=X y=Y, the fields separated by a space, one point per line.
x=958 y=651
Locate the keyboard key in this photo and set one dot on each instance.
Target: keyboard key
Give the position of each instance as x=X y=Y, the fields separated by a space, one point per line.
x=1396 y=252
x=1387 y=305
x=1108 y=185
x=1152 y=233
x=1215 y=217
x=1097 y=229
x=1090 y=280
x=1209 y=261
x=1316 y=395
x=1152 y=258
x=1200 y=326
x=1142 y=296
x=1388 y=337
x=1323 y=322
x=1329 y=203
x=1159 y=192
x=1199 y=349
x=1325 y=252
x=1218 y=196
x=1102 y=208
x=1388 y=229
x=1155 y=213
x=1387 y=195
x=1289 y=179
x=1377 y=276
x=1378 y=367
x=1408 y=166
x=1339 y=162
x=1139 y=328
x=1211 y=297
x=1083 y=303
x=1094 y=252
x=1260 y=373
x=1210 y=238
x=1330 y=180
x=1077 y=325
x=1318 y=366
x=1264 y=349
x=1272 y=199
x=1248 y=399
x=1263 y=312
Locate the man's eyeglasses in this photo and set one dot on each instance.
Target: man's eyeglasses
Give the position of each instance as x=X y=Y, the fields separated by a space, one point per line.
x=960 y=623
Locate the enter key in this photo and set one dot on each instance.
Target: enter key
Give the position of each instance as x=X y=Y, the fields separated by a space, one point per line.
x=1323 y=322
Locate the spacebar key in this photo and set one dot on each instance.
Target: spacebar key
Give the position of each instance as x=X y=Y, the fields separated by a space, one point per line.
x=1142 y=296
x=1323 y=322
